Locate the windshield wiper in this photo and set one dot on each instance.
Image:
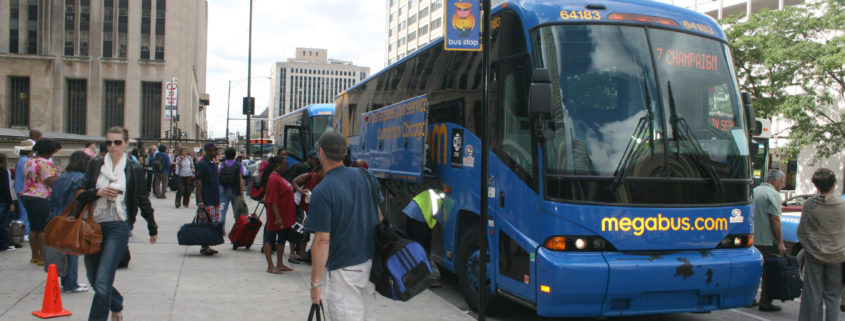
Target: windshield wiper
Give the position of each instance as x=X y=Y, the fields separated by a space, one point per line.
x=681 y=129
x=645 y=122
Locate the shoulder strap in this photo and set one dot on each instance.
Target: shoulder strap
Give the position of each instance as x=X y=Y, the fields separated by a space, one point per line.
x=372 y=188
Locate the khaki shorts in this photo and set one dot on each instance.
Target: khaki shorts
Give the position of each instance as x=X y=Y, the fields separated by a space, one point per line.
x=349 y=294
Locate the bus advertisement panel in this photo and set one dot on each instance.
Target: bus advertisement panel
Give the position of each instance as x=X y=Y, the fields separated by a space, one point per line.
x=393 y=139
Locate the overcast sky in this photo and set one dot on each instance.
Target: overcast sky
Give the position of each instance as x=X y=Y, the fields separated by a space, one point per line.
x=350 y=30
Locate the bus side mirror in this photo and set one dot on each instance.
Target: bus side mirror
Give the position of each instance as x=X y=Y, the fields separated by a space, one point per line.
x=751 y=123
x=749 y=111
x=540 y=93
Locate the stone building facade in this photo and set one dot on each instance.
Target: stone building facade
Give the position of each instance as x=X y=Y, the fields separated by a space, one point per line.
x=81 y=66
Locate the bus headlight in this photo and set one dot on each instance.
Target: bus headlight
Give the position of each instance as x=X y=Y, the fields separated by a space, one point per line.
x=734 y=241
x=578 y=244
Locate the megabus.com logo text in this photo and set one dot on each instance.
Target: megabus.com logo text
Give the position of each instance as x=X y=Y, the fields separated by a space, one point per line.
x=639 y=225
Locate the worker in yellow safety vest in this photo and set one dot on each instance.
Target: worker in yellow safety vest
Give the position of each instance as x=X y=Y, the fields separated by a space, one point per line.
x=424 y=211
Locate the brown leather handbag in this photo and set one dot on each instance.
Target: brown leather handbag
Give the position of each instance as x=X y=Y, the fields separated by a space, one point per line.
x=75 y=234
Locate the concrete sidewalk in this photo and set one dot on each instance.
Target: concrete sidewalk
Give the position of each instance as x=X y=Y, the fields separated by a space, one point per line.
x=166 y=281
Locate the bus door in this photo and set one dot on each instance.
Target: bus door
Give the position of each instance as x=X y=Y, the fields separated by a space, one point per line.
x=513 y=174
x=294 y=144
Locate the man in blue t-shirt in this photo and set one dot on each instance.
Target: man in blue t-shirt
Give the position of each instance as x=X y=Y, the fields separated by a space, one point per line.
x=160 y=174
x=342 y=214
x=208 y=190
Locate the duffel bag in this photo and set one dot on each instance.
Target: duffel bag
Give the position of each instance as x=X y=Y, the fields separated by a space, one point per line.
x=206 y=233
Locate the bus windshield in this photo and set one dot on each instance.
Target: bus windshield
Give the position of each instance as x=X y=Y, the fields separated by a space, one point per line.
x=633 y=102
x=320 y=125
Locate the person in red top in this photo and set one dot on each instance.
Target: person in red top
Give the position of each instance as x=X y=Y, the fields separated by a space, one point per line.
x=281 y=214
x=304 y=184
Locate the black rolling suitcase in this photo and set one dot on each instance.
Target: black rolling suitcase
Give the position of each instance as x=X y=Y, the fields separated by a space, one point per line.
x=783 y=278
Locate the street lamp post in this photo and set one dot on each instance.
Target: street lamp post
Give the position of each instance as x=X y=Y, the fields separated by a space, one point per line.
x=248 y=81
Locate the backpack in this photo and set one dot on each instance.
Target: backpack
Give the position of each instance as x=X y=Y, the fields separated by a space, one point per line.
x=159 y=164
x=401 y=267
x=229 y=174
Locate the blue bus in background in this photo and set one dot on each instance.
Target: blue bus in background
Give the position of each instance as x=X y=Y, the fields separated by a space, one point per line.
x=620 y=158
x=299 y=130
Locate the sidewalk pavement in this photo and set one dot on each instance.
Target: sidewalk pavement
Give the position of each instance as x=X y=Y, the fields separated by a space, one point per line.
x=166 y=281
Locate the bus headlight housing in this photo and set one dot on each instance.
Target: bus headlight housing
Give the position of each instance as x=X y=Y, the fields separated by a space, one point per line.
x=735 y=241
x=578 y=244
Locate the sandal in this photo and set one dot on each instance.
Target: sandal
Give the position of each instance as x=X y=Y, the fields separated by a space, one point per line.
x=33 y=261
x=40 y=263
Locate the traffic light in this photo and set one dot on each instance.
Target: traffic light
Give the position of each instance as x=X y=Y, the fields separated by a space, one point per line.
x=249 y=106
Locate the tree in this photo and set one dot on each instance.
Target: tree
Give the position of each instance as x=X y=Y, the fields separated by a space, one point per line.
x=792 y=61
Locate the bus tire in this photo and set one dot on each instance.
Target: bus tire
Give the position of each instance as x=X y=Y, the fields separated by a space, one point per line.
x=467 y=268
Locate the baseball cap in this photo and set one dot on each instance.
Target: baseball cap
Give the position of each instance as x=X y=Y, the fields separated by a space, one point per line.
x=333 y=145
x=313 y=154
x=210 y=146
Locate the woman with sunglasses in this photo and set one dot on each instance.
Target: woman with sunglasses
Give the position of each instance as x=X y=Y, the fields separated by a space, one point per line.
x=116 y=188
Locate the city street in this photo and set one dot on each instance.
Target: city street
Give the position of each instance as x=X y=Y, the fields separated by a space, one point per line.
x=166 y=281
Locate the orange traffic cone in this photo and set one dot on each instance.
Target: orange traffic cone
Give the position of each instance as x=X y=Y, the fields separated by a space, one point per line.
x=52 y=305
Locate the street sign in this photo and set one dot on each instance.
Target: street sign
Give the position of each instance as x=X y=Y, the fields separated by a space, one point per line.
x=462 y=30
x=170 y=114
x=171 y=94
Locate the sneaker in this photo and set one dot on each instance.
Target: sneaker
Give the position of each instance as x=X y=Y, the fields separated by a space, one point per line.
x=212 y=251
x=10 y=248
x=26 y=238
x=81 y=288
x=768 y=307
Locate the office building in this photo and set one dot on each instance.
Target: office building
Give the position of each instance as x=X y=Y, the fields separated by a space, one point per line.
x=82 y=66
x=310 y=78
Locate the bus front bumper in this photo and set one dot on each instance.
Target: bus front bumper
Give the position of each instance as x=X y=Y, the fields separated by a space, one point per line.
x=637 y=283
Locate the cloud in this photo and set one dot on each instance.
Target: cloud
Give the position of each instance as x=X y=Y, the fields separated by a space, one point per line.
x=349 y=30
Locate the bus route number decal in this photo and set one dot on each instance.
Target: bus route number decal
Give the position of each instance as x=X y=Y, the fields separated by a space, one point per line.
x=698 y=27
x=580 y=15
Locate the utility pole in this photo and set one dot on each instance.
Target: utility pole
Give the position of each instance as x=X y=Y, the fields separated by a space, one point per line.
x=248 y=100
x=485 y=166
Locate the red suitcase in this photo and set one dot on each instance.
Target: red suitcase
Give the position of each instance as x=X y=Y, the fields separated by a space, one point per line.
x=245 y=229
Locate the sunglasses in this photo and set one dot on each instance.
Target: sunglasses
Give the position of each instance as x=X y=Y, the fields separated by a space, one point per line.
x=116 y=142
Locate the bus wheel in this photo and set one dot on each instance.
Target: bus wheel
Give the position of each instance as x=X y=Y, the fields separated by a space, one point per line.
x=468 y=267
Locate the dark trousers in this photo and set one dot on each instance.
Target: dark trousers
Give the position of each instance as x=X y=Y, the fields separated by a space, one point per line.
x=5 y=237
x=160 y=184
x=150 y=175
x=419 y=232
x=184 y=193
x=768 y=252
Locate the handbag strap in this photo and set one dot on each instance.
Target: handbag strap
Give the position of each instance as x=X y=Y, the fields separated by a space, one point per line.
x=372 y=189
x=317 y=311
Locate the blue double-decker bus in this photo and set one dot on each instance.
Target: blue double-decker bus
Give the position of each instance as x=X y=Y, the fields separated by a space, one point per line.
x=298 y=130
x=620 y=166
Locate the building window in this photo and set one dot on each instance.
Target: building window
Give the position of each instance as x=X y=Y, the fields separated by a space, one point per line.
x=70 y=26
x=151 y=110
x=391 y=46
x=391 y=32
x=84 y=26
x=436 y=23
x=436 y=5
x=412 y=19
x=32 y=28
x=423 y=30
x=412 y=36
x=392 y=17
x=402 y=26
x=14 y=24
x=423 y=13
x=122 y=27
x=75 y=102
x=146 y=23
x=401 y=41
x=113 y=102
x=19 y=101
x=108 y=28
x=161 y=7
